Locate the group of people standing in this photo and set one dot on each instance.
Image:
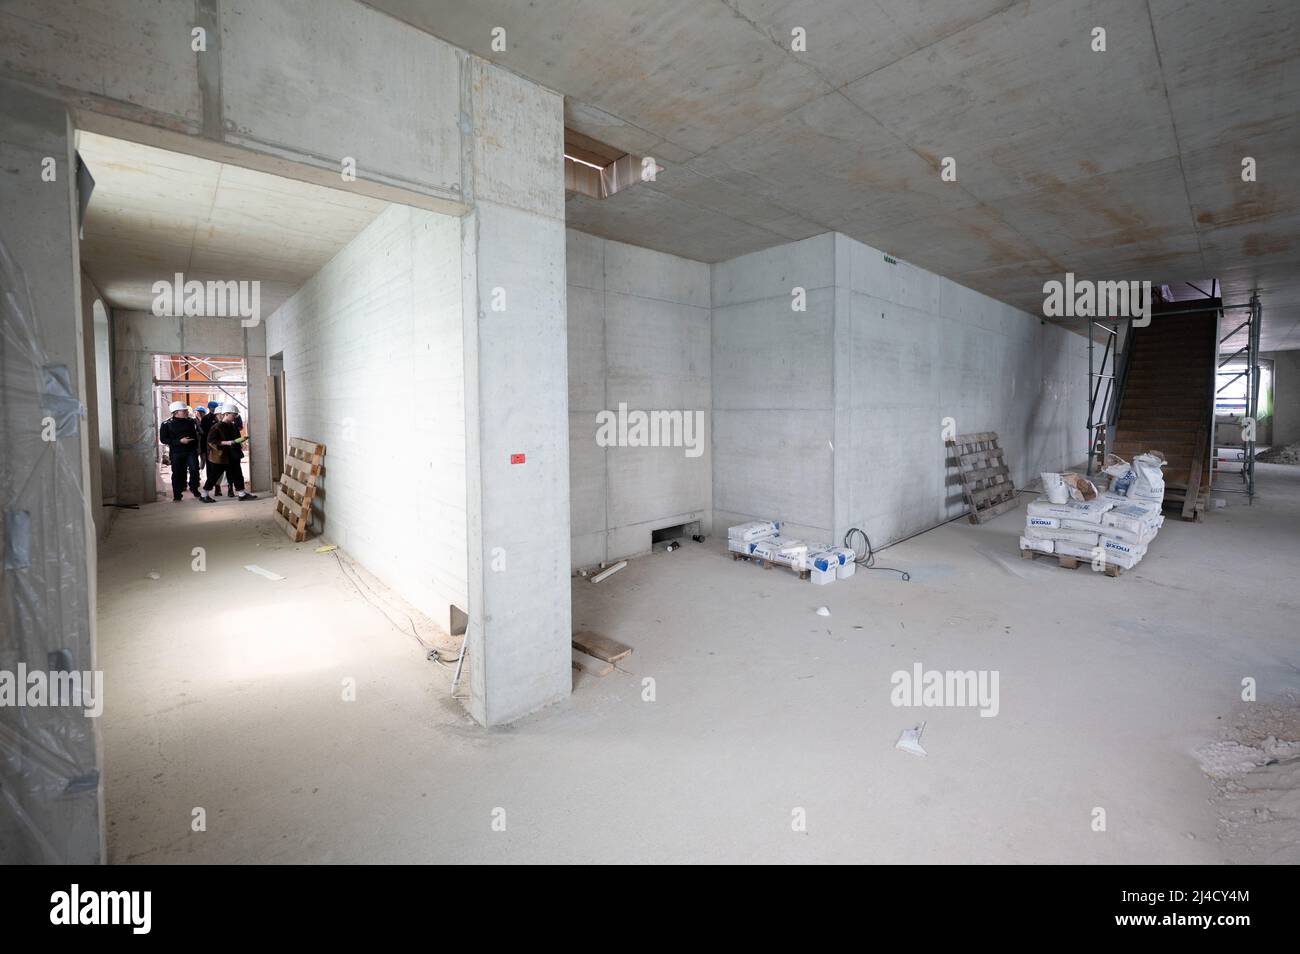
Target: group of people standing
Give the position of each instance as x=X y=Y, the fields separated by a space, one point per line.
x=213 y=436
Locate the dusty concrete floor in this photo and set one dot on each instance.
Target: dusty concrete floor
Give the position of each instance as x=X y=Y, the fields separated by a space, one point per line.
x=224 y=692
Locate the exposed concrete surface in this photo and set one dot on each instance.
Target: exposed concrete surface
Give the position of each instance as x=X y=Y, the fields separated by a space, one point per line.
x=1117 y=164
x=516 y=396
x=638 y=335
x=154 y=213
x=374 y=370
x=312 y=81
x=832 y=417
x=1108 y=686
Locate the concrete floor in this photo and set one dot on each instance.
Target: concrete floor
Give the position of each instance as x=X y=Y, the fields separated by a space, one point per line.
x=224 y=692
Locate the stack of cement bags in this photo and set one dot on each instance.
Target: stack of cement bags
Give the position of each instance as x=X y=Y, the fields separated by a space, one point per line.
x=762 y=539
x=1114 y=527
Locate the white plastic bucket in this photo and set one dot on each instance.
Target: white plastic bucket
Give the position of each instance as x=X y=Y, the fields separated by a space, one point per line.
x=1054 y=486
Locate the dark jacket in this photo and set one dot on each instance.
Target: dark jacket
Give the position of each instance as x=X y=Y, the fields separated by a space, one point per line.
x=174 y=428
x=223 y=431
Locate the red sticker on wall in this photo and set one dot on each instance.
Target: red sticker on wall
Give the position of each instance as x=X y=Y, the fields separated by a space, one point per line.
x=516 y=458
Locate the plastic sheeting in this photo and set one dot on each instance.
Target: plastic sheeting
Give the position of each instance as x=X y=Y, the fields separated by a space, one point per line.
x=49 y=778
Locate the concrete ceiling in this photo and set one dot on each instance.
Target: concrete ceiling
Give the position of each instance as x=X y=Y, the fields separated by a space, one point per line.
x=154 y=213
x=1117 y=165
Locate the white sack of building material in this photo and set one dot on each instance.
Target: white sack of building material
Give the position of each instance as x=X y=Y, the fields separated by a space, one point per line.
x=738 y=546
x=1148 y=478
x=1045 y=523
x=1042 y=546
x=765 y=549
x=792 y=552
x=754 y=530
x=1078 y=550
x=1133 y=519
x=1081 y=537
x=1136 y=538
x=1089 y=511
x=1123 y=553
x=1069 y=523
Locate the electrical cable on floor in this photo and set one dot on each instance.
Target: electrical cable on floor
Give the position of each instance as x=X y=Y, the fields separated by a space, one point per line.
x=868 y=559
x=432 y=652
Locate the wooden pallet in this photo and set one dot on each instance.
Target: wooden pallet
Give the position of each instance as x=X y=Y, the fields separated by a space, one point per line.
x=297 y=487
x=985 y=477
x=1070 y=562
x=769 y=564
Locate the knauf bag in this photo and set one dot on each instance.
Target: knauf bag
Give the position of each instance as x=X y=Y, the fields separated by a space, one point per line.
x=754 y=530
x=1148 y=478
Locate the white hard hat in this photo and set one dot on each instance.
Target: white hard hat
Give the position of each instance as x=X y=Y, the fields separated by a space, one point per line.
x=177 y=406
x=227 y=409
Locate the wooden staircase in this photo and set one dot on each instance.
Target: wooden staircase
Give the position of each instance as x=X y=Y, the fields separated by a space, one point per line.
x=1168 y=399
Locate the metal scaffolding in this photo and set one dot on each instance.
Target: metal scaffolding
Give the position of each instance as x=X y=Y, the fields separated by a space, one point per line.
x=1103 y=406
x=1251 y=371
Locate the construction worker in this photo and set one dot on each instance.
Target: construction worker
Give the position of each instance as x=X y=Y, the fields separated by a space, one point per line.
x=225 y=451
x=239 y=428
x=180 y=433
x=208 y=420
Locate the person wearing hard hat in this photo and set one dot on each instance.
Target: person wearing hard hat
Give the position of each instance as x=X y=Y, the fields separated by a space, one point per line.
x=225 y=451
x=180 y=433
x=205 y=425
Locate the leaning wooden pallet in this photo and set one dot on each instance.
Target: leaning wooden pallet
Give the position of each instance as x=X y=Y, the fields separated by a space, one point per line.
x=297 y=487
x=985 y=477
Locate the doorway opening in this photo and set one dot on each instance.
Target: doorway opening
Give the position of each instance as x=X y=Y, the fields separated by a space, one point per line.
x=198 y=381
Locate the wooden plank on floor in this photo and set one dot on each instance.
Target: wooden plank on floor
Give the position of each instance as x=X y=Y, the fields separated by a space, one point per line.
x=590 y=664
x=602 y=647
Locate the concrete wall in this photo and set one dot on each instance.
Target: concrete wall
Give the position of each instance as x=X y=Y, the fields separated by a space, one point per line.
x=517 y=400
x=922 y=348
x=1286 y=397
x=831 y=417
x=137 y=337
x=374 y=369
x=638 y=334
x=774 y=388
x=50 y=778
x=311 y=81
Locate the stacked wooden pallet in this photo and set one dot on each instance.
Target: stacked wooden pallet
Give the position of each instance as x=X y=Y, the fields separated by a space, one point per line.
x=1168 y=397
x=297 y=487
x=985 y=478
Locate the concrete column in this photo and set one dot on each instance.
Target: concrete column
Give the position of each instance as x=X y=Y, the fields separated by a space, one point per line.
x=50 y=789
x=516 y=395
